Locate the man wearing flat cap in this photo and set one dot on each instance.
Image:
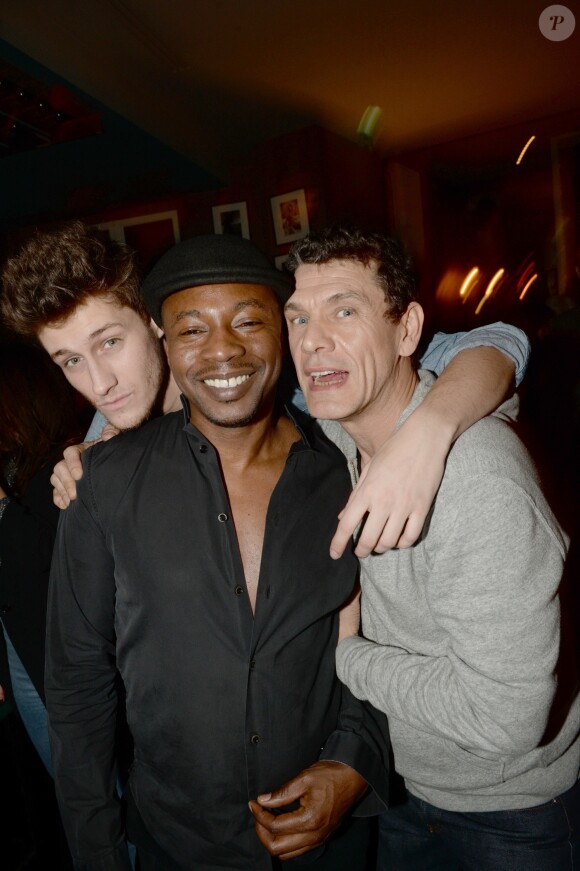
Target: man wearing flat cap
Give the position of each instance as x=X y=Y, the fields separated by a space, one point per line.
x=195 y=564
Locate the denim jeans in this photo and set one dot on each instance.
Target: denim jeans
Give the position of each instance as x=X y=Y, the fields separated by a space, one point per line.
x=30 y=706
x=416 y=836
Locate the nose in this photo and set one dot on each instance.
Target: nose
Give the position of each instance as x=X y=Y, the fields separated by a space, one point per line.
x=316 y=337
x=103 y=379
x=223 y=344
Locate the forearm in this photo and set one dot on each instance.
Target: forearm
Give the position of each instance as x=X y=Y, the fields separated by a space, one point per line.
x=81 y=692
x=82 y=727
x=473 y=385
x=361 y=741
x=508 y=339
x=397 y=487
x=441 y=695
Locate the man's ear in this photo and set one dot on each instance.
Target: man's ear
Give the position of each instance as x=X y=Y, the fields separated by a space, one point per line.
x=157 y=330
x=412 y=325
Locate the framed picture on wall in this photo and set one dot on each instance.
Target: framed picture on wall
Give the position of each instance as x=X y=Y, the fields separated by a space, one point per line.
x=149 y=235
x=231 y=218
x=290 y=216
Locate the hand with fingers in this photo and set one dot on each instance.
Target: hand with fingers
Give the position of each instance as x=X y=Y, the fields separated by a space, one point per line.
x=69 y=470
x=66 y=473
x=325 y=792
x=395 y=491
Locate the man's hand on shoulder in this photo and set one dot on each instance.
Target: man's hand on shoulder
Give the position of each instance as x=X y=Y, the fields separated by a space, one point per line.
x=69 y=470
x=325 y=792
x=396 y=489
x=66 y=473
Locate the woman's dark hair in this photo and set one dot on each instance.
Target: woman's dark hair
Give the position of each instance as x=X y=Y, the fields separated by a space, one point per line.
x=39 y=411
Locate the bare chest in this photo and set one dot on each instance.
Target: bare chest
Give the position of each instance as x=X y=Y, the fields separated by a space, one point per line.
x=249 y=496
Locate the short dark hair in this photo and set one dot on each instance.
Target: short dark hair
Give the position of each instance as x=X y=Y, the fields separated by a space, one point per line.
x=57 y=270
x=395 y=272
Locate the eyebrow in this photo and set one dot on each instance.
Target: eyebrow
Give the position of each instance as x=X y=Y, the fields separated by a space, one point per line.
x=343 y=296
x=63 y=352
x=242 y=304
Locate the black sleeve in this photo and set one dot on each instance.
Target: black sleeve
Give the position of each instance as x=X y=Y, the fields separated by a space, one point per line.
x=361 y=740
x=81 y=690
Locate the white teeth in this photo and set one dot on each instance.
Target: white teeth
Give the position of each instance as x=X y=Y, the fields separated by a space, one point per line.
x=318 y=375
x=223 y=383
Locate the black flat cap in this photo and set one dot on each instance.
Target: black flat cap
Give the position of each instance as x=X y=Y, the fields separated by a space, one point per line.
x=213 y=259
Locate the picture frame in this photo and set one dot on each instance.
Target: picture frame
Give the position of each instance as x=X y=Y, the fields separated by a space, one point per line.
x=280 y=261
x=150 y=235
x=116 y=229
x=231 y=218
x=290 y=215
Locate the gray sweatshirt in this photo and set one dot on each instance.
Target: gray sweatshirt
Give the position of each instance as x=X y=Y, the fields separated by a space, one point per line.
x=461 y=633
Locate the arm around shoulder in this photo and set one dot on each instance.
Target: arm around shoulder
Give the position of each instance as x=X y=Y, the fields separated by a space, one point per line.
x=510 y=340
x=397 y=487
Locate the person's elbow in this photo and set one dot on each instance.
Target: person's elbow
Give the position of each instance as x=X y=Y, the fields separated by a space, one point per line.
x=517 y=726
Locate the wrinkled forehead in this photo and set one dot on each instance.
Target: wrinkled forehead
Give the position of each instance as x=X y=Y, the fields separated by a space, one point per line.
x=320 y=281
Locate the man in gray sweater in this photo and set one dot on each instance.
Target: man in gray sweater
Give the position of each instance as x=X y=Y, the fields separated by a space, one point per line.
x=461 y=633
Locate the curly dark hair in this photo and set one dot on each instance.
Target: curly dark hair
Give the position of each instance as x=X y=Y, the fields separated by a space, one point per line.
x=58 y=270
x=395 y=273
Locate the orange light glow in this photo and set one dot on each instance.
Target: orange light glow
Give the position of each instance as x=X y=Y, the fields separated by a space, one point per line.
x=489 y=289
x=525 y=274
x=529 y=284
x=524 y=149
x=469 y=283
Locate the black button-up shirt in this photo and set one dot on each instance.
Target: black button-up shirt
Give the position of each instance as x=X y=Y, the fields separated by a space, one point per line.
x=222 y=704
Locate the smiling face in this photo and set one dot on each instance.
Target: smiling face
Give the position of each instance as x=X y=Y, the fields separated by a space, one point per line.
x=111 y=356
x=350 y=357
x=225 y=345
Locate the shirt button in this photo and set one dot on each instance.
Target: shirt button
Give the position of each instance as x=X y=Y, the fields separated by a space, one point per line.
x=255 y=738
x=238 y=590
x=252 y=664
x=222 y=518
x=203 y=449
